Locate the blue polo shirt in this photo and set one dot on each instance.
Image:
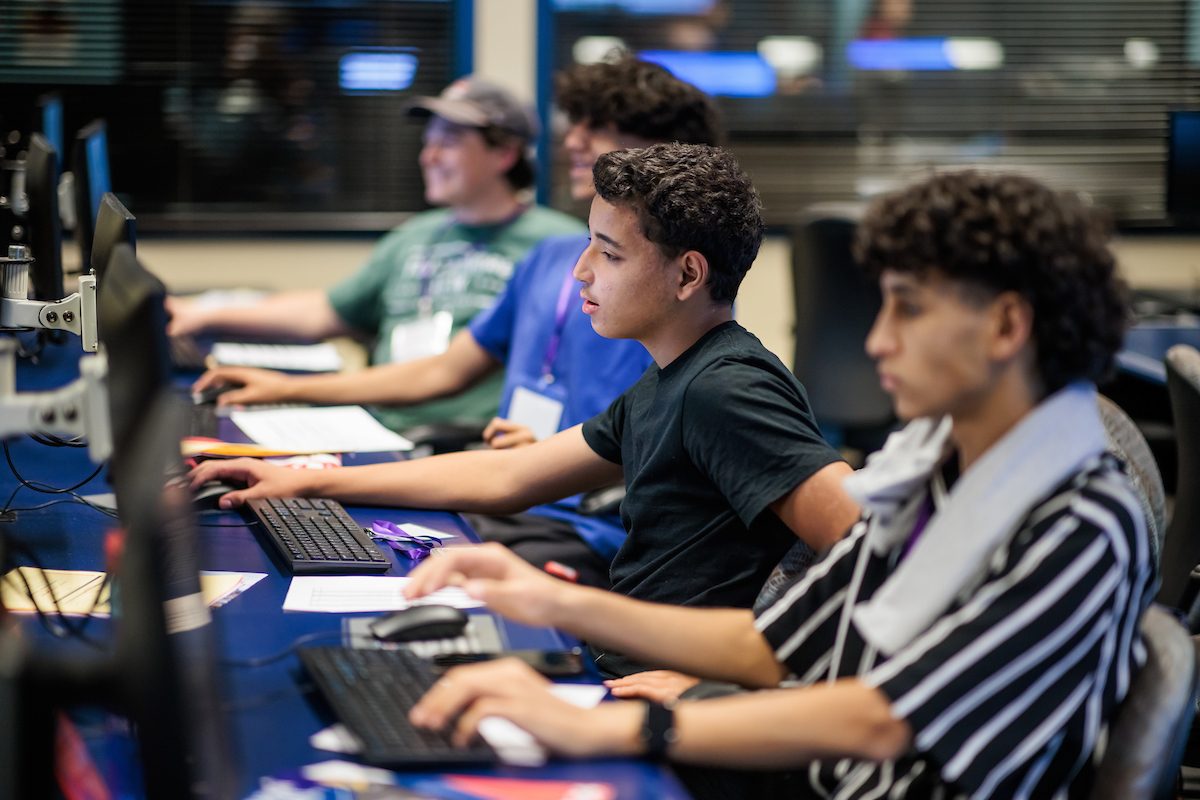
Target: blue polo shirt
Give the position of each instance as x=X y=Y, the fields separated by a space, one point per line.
x=589 y=371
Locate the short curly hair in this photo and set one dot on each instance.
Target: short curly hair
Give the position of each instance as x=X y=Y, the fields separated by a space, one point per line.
x=640 y=98
x=1003 y=232
x=689 y=197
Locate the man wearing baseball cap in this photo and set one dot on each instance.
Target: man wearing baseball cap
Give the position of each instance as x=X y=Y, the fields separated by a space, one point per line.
x=427 y=278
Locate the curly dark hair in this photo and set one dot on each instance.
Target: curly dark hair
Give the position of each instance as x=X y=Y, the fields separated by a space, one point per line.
x=1002 y=232
x=689 y=197
x=640 y=98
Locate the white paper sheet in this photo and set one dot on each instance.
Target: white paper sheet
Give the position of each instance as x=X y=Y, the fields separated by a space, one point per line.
x=322 y=357
x=347 y=594
x=329 y=429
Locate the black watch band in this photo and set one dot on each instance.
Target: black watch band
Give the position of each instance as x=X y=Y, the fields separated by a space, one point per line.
x=658 y=728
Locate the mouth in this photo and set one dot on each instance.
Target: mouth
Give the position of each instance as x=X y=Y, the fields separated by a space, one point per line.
x=887 y=382
x=589 y=305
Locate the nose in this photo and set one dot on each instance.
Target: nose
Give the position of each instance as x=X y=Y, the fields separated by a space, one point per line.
x=576 y=136
x=880 y=340
x=429 y=153
x=580 y=271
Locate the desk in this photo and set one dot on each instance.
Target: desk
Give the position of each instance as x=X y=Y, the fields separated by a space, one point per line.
x=270 y=716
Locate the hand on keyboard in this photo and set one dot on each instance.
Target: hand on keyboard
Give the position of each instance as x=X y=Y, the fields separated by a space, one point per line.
x=253 y=385
x=511 y=689
x=261 y=480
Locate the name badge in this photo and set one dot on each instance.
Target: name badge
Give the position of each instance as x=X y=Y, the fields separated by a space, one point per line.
x=539 y=413
x=427 y=335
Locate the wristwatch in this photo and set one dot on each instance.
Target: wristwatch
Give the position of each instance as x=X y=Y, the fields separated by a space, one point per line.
x=658 y=728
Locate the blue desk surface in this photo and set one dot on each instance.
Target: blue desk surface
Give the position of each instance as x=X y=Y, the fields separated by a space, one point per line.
x=271 y=717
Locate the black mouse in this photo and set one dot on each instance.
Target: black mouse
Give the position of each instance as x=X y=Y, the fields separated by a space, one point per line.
x=207 y=495
x=211 y=394
x=420 y=622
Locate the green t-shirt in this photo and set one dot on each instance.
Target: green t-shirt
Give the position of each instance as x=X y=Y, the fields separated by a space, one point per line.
x=464 y=267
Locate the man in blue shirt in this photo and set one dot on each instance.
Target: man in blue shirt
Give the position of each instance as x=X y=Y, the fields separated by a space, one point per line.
x=559 y=372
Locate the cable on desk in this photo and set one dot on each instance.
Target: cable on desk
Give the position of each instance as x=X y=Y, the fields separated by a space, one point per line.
x=51 y=440
x=261 y=661
x=38 y=486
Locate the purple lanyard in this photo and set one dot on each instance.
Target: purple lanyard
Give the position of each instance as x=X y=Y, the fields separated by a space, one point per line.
x=923 y=516
x=560 y=322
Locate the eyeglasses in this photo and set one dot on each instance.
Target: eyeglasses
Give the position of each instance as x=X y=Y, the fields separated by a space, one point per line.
x=409 y=545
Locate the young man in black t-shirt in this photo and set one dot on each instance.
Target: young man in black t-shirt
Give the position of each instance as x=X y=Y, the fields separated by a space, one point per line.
x=722 y=459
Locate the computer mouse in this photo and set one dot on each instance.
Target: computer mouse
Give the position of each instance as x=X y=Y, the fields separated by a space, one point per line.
x=211 y=394
x=420 y=622
x=207 y=495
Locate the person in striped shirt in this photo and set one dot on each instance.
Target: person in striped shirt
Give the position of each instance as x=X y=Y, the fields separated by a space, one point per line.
x=974 y=632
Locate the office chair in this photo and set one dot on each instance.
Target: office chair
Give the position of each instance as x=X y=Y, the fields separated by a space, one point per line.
x=1127 y=443
x=1181 y=547
x=1148 y=735
x=835 y=304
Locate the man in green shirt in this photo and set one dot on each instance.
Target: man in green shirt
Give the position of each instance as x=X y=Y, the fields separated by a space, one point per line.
x=427 y=278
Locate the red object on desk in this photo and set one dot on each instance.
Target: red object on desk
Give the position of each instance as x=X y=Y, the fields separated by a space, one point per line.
x=519 y=789
x=560 y=570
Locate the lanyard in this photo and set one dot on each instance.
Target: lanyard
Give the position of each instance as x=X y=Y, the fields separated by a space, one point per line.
x=560 y=322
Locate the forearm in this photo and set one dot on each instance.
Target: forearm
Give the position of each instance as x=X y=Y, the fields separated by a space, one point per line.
x=790 y=727
x=715 y=643
x=387 y=384
x=488 y=482
x=303 y=314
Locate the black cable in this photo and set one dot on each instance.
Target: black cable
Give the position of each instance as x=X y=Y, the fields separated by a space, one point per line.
x=261 y=661
x=44 y=488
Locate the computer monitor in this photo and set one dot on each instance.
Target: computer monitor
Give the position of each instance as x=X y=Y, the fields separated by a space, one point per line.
x=114 y=225
x=1183 y=167
x=89 y=165
x=50 y=123
x=44 y=227
x=166 y=646
x=133 y=329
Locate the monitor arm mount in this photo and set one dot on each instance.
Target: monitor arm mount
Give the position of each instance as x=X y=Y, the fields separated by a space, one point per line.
x=78 y=409
x=75 y=312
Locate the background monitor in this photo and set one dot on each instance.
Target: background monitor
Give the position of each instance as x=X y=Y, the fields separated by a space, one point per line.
x=133 y=329
x=114 y=225
x=1183 y=166
x=44 y=227
x=166 y=645
x=50 y=123
x=89 y=165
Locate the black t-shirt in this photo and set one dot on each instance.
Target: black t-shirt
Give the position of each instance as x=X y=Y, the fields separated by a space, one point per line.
x=707 y=444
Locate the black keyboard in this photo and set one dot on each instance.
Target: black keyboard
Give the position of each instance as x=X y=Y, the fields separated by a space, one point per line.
x=371 y=692
x=204 y=420
x=317 y=536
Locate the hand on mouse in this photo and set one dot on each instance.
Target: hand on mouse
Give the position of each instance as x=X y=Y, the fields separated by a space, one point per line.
x=253 y=385
x=261 y=480
x=495 y=575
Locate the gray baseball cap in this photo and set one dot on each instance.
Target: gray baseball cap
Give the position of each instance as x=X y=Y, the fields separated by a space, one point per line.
x=478 y=103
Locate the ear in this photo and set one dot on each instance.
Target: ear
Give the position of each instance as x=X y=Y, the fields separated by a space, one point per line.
x=693 y=274
x=507 y=156
x=1012 y=325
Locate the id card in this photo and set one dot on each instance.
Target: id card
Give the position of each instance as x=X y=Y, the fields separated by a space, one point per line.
x=424 y=336
x=539 y=413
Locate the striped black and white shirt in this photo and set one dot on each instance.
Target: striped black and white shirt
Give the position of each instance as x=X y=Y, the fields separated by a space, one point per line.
x=1010 y=691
